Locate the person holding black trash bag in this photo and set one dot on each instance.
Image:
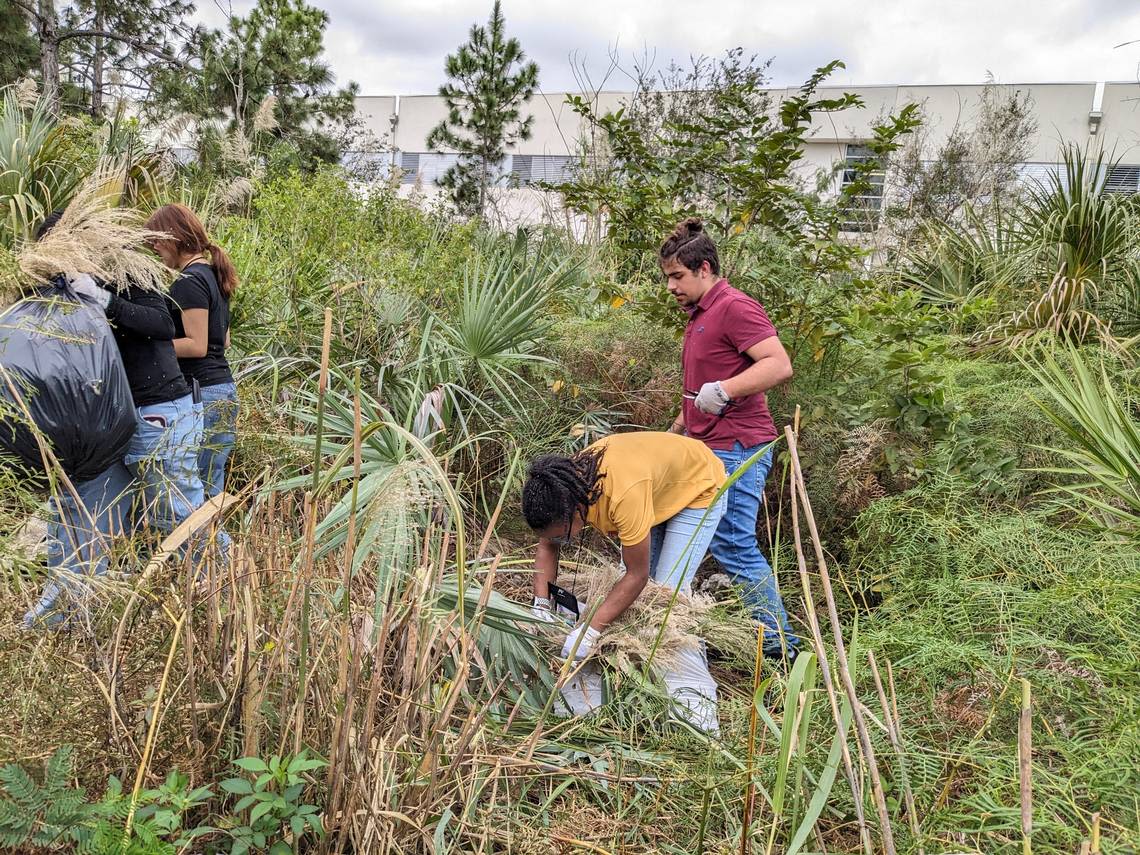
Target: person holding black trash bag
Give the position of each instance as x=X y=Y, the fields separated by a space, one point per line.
x=161 y=462
x=67 y=377
x=200 y=306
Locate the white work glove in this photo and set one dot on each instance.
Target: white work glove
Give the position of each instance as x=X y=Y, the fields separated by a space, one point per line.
x=712 y=399
x=540 y=608
x=85 y=286
x=589 y=637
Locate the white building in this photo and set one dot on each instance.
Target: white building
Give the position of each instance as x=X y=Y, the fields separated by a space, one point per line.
x=1095 y=114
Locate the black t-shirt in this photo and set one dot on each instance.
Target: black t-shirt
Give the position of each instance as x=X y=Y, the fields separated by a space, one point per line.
x=197 y=288
x=144 y=332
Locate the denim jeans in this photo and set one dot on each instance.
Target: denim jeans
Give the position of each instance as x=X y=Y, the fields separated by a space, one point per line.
x=219 y=421
x=678 y=545
x=161 y=469
x=79 y=535
x=736 y=550
x=163 y=457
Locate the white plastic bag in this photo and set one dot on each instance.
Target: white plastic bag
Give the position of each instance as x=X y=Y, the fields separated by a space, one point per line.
x=583 y=692
x=693 y=689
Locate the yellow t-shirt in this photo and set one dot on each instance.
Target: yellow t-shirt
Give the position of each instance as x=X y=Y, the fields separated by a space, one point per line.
x=649 y=477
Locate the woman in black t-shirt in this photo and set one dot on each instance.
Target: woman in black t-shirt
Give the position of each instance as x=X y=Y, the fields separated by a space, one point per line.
x=160 y=461
x=200 y=305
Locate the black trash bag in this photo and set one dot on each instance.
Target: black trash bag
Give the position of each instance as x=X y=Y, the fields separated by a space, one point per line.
x=60 y=354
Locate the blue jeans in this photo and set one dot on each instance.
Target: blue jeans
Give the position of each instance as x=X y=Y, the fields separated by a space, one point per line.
x=736 y=550
x=79 y=536
x=219 y=421
x=163 y=458
x=678 y=545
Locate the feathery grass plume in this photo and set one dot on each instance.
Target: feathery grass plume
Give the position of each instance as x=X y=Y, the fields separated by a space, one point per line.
x=171 y=131
x=236 y=194
x=690 y=619
x=265 y=119
x=96 y=237
x=27 y=93
x=236 y=147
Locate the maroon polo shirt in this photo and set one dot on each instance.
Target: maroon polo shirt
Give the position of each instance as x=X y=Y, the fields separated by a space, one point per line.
x=722 y=326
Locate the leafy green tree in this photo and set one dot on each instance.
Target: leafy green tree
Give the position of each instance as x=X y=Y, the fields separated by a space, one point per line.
x=276 y=50
x=18 y=49
x=490 y=81
x=714 y=146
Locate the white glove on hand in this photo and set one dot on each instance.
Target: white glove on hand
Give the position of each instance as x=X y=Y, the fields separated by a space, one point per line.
x=712 y=399
x=540 y=608
x=85 y=286
x=589 y=637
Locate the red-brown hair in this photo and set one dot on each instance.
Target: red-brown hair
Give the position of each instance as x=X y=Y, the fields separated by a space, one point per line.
x=189 y=235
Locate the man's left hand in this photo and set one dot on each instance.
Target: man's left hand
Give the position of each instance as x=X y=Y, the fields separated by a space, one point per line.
x=712 y=399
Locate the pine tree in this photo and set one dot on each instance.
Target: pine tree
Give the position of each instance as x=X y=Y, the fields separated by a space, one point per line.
x=484 y=98
x=107 y=34
x=87 y=37
x=276 y=50
x=18 y=48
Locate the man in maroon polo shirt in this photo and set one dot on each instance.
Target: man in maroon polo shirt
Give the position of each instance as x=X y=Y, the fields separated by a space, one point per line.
x=731 y=357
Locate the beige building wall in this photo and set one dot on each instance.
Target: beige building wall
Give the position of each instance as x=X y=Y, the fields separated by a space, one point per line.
x=1064 y=112
x=1061 y=109
x=1120 y=125
x=377 y=112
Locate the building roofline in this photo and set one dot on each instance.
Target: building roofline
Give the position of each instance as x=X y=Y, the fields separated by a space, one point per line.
x=1012 y=84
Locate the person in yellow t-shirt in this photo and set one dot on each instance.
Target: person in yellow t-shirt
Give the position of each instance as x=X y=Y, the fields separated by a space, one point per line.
x=654 y=490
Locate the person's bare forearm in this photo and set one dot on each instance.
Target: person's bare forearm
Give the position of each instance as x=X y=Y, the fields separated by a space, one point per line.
x=621 y=595
x=678 y=425
x=627 y=588
x=545 y=568
x=758 y=377
x=189 y=347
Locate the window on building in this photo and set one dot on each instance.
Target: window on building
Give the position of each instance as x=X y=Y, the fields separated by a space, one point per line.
x=535 y=168
x=1123 y=178
x=427 y=167
x=409 y=166
x=862 y=214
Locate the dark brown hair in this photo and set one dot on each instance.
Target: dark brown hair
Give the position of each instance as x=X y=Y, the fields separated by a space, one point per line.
x=189 y=235
x=691 y=245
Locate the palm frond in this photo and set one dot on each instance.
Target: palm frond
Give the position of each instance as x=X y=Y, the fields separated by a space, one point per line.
x=1103 y=475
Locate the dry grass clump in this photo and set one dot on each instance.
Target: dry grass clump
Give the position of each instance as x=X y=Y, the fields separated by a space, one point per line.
x=97 y=237
x=689 y=619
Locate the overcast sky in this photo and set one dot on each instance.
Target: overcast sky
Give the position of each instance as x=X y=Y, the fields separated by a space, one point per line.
x=397 y=47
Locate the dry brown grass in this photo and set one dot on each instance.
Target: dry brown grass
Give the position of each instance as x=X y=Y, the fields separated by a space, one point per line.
x=637 y=633
x=97 y=237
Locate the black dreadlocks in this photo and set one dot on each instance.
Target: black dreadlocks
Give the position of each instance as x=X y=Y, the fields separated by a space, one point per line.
x=558 y=487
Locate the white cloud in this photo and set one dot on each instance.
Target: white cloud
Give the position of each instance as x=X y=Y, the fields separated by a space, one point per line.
x=398 y=47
